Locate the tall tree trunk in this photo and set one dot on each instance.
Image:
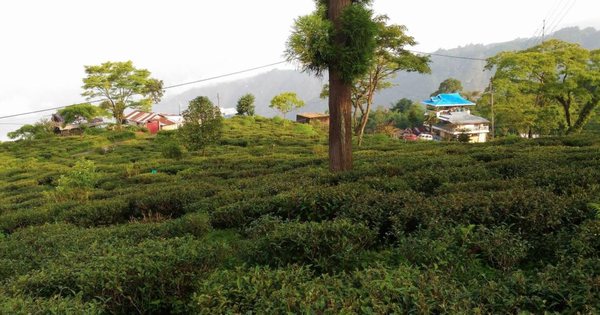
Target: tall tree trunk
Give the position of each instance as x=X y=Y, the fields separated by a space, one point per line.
x=340 y=103
x=584 y=115
x=364 y=119
x=566 y=104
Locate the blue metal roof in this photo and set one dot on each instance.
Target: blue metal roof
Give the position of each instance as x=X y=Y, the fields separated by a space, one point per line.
x=453 y=99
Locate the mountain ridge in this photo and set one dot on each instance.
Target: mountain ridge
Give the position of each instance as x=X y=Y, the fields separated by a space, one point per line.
x=406 y=85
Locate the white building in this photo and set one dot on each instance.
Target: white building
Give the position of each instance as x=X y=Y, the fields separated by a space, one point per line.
x=454 y=118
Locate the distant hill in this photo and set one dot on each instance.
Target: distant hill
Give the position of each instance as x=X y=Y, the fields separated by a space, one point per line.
x=409 y=85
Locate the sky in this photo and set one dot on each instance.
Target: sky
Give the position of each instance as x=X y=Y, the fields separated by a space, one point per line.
x=44 y=45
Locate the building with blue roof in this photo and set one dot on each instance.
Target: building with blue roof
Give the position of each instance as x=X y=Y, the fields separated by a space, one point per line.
x=452 y=115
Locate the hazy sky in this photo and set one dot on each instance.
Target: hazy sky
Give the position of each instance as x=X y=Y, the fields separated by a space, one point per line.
x=45 y=44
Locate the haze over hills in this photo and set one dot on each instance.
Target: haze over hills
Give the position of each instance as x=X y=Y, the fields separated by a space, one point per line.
x=409 y=85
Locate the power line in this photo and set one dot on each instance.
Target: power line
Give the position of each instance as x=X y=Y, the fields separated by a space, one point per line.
x=230 y=74
x=223 y=75
x=165 y=88
x=447 y=56
x=563 y=16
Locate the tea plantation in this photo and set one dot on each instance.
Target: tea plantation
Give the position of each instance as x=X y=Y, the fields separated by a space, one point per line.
x=125 y=223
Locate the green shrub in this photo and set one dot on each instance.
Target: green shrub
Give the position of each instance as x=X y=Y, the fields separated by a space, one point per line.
x=155 y=276
x=171 y=150
x=117 y=136
x=20 y=305
x=327 y=246
x=502 y=247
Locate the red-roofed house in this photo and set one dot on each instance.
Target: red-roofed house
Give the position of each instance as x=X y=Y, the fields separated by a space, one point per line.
x=153 y=121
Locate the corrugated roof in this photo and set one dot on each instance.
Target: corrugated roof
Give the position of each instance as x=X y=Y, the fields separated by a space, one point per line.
x=462 y=118
x=444 y=100
x=313 y=115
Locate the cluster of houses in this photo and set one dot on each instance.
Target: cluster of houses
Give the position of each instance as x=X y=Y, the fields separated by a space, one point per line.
x=452 y=115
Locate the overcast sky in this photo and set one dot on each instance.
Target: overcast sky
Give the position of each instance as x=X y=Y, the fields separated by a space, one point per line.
x=45 y=44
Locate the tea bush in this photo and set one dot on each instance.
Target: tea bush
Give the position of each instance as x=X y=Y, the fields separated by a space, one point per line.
x=257 y=224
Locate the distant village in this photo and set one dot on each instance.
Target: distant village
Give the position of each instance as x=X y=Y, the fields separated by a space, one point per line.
x=452 y=112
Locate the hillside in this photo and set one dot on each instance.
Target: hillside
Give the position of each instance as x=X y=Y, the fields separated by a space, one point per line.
x=412 y=86
x=107 y=223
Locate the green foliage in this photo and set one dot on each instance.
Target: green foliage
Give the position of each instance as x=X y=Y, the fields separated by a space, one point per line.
x=123 y=86
x=40 y=130
x=449 y=85
x=313 y=41
x=327 y=246
x=353 y=57
x=86 y=111
x=171 y=150
x=203 y=124
x=245 y=105
x=551 y=75
x=402 y=105
x=286 y=102
x=258 y=224
x=121 y=135
x=310 y=42
x=78 y=183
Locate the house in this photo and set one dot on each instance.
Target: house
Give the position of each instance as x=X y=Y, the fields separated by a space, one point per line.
x=307 y=118
x=228 y=112
x=74 y=128
x=453 y=118
x=153 y=121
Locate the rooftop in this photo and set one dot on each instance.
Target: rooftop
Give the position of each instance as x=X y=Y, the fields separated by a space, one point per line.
x=313 y=115
x=462 y=118
x=448 y=100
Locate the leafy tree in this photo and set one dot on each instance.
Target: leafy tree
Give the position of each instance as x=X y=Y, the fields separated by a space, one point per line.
x=449 y=85
x=86 y=111
x=286 y=102
x=39 y=130
x=121 y=86
x=339 y=36
x=245 y=105
x=203 y=124
x=552 y=73
x=402 y=106
x=390 y=58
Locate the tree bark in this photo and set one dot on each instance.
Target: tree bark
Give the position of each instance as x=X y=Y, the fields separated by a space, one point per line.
x=566 y=104
x=584 y=115
x=340 y=102
x=365 y=118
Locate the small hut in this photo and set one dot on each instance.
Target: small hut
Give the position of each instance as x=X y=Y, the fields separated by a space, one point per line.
x=307 y=118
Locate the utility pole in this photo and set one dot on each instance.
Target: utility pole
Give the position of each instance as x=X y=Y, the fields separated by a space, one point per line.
x=492 y=99
x=218 y=100
x=543 y=30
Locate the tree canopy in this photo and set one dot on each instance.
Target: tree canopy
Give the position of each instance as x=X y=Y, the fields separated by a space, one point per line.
x=286 y=102
x=121 y=86
x=245 y=105
x=449 y=85
x=86 y=111
x=339 y=36
x=39 y=130
x=554 y=73
x=203 y=124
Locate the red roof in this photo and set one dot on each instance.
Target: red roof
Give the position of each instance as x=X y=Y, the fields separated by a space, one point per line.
x=141 y=117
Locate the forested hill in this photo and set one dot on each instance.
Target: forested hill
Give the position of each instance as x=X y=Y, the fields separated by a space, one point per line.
x=413 y=86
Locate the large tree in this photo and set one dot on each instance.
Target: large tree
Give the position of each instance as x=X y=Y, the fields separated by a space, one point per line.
x=552 y=73
x=286 y=102
x=340 y=37
x=120 y=86
x=245 y=105
x=203 y=124
x=449 y=85
x=390 y=58
x=86 y=111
